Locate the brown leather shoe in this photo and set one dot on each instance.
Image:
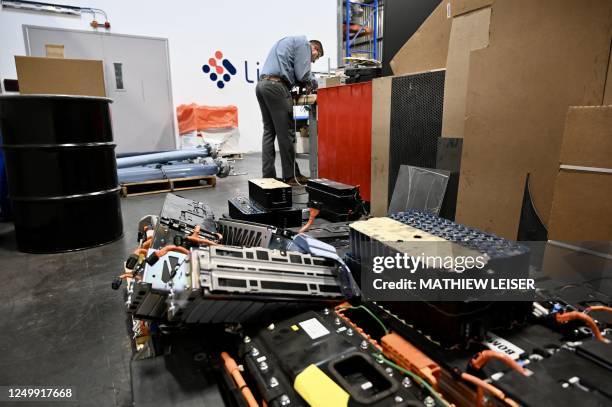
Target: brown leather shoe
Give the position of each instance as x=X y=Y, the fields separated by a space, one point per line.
x=299 y=180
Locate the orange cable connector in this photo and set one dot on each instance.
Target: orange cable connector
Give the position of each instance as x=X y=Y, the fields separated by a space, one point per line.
x=409 y=357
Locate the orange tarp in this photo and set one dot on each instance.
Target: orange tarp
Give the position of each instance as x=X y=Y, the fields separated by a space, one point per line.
x=193 y=117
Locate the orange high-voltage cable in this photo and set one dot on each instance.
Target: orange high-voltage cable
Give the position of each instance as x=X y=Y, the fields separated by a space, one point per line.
x=481 y=385
x=195 y=238
x=482 y=358
x=313 y=214
x=598 y=308
x=565 y=317
x=232 y=369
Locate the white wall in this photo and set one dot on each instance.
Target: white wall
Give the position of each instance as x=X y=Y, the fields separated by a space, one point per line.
x=243 y=30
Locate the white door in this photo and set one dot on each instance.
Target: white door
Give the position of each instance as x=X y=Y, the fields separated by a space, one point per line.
x=137 y=76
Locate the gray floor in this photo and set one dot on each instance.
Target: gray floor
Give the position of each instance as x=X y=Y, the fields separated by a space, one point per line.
x=62 y=324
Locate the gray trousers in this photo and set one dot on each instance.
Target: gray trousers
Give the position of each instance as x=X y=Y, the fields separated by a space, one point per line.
x=277 y=113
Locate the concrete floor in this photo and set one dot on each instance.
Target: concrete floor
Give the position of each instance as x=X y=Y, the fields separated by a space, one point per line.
x=63 y=325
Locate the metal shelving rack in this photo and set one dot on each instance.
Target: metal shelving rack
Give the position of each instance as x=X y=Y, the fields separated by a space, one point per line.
x=371 y=21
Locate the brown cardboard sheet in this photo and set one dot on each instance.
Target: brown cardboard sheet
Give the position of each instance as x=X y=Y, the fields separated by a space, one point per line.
x=582 y=202
x=381 y=127
x=465 y=6
x=582 y=207
x=427 y=48
x=37 y=75
x=468 y=32
x=587 y=139
x=608 y=92
x=519 y=90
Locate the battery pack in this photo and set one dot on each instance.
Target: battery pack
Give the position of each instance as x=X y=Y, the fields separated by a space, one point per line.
x=243 y=208
x=317 y=359
x=338 y=202
x=270 y=193
x=563 y=379
x=232 y=284
x=450 y=323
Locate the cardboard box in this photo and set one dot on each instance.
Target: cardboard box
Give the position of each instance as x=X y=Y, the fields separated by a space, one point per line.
x=54 y=51
x=427 y=48
x=360 y=55
x=328 y=81
x=543 y=56
x=39 y=75
x=306 y=100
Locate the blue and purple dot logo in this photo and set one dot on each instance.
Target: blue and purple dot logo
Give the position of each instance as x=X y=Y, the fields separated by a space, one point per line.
x=220 y=70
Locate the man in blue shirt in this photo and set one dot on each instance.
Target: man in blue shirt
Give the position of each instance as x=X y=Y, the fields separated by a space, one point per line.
x=287 y=65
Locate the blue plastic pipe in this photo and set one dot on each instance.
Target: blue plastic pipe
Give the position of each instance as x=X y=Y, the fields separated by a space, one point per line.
x=160 y=158
x=151 y=173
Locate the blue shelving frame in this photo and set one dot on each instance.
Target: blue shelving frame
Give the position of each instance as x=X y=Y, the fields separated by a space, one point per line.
x=372 y=19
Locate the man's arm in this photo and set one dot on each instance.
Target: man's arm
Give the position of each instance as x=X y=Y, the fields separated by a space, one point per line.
x=301 y=63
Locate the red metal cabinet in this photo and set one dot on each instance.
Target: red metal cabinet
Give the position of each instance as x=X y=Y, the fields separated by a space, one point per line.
x=344 y=134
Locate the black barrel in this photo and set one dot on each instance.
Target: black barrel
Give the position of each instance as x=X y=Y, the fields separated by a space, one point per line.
x=61 y=169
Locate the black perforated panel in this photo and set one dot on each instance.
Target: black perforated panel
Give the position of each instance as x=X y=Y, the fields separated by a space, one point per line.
x=402 y=19
x=416 y=121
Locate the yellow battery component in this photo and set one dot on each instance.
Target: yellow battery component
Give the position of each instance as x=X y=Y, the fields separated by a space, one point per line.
x=318 y=389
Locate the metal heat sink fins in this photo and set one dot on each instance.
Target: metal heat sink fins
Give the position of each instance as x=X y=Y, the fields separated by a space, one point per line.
x=234 y=284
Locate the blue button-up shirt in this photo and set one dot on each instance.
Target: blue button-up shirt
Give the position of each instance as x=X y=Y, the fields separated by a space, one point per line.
x=290 y=59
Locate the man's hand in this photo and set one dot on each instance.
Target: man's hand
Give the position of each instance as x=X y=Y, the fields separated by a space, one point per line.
x=314 y=84
x=310 y=87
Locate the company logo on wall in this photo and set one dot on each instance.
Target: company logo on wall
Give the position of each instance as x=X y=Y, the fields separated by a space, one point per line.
x=219 y=69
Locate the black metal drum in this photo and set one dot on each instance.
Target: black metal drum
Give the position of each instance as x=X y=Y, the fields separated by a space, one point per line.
x=61 y=169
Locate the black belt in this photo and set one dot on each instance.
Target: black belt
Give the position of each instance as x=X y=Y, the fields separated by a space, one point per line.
x=274 y=78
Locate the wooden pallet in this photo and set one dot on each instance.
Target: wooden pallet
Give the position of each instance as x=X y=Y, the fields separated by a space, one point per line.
x=232 y=156
x=167 y=185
